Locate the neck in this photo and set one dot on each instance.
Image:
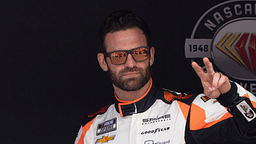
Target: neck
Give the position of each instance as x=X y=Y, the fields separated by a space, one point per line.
x=131 y=95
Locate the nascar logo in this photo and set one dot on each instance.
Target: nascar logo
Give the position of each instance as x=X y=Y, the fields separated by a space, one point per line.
x=107 y=126
x=226 y=33
x=238 y=51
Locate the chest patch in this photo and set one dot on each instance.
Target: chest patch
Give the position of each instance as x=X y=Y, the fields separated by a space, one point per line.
x=107 y=126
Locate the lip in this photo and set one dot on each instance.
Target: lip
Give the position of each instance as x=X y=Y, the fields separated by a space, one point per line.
x=131 y=74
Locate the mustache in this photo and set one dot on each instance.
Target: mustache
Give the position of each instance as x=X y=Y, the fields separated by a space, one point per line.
x=129 y=69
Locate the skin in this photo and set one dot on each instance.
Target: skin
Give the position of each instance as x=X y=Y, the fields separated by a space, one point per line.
x=214 y=84
x=126 y=40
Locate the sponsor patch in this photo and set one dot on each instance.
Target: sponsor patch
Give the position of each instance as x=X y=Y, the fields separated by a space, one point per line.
x=154 y=131
x=205 y=98
x=105 y=139
x=152 y=142
x=157 y=119
x=107 y=126
x=215 y=101
x=246 y=110
x=149 y=142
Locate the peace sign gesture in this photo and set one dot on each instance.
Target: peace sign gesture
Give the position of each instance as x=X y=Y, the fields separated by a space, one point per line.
x=214 y=83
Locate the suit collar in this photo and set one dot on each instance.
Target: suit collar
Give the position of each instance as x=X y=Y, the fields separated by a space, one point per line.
x=139 y=105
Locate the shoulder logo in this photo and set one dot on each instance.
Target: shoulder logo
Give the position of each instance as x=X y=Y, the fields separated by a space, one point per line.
x=226 y=34
x=246 y=110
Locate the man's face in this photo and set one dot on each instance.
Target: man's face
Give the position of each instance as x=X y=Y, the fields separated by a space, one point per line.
x=131 y=75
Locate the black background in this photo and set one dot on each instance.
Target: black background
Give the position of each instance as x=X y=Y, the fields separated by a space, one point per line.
x=49 y=74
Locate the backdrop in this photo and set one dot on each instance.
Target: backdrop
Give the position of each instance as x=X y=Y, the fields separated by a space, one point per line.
x=49 y=74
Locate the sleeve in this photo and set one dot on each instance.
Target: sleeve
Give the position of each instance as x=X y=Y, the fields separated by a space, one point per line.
x=88 y=121
x=80 y=136
x=82 y=132
x=242 y=105
x=231 y=118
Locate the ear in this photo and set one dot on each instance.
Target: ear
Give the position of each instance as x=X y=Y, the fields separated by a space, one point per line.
x=152 y=56
x=102 y=61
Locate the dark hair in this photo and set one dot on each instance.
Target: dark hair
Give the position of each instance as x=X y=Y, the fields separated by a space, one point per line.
x=121 y=20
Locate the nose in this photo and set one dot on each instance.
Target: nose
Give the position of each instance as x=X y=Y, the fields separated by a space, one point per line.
x=130 y=62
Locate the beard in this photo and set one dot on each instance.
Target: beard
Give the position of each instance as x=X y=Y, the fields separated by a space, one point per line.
x=130 y=84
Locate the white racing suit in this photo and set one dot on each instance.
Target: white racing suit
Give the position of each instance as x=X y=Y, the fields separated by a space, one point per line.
x=161 y=116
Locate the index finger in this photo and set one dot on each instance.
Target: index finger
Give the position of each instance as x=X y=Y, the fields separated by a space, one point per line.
x=208 y=66
x=199 y=70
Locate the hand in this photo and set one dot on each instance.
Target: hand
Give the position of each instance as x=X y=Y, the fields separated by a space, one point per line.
x=214 y=83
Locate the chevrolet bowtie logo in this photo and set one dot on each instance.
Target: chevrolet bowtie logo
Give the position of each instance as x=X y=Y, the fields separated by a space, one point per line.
x=243 y=50
x=105 y=139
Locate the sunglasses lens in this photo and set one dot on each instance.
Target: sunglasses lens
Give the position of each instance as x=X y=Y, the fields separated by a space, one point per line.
x=118 y=57
x=140 y=54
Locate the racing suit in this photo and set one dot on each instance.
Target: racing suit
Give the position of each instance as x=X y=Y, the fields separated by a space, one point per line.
x=162 y=116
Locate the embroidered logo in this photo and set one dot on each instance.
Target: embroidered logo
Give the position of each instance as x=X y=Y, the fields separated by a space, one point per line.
x=107 y=126
x=154 y=131
x=205 y=98
x=246 y=110
x=157 y=119
x=152 y=142
x=105 y=139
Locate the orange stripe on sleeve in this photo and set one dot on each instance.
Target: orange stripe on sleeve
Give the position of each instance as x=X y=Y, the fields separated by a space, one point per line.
x=85 y=129
x=184 y=108
x=197 y=118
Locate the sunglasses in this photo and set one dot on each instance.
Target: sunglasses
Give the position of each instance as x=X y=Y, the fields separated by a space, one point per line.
x=120 y=56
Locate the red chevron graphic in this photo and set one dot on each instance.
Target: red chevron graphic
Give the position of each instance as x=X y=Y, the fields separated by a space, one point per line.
x=252 y=50
x=240 y=47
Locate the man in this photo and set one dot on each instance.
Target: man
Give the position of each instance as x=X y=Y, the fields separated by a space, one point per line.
x=146 y=114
